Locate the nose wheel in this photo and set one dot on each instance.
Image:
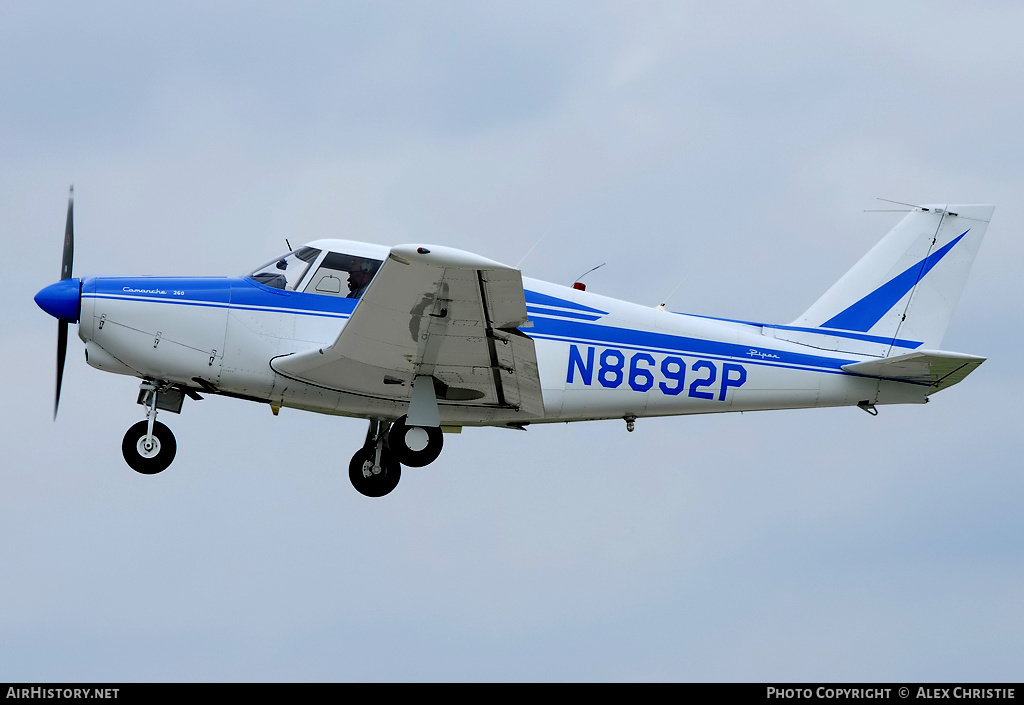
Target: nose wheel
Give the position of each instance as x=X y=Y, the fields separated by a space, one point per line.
x=148 y=453
x=149 y=446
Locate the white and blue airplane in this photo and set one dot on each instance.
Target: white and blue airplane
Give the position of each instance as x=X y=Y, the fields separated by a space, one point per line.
x=421 y=340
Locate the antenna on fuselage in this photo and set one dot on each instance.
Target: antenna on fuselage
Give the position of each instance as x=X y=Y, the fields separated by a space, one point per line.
x=894 y=210
x=519 y=264
x=940 y=211
x=579 y=284
x=289 y=244
x=664 y=301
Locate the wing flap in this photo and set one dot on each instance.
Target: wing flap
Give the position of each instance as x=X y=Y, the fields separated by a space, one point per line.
x=938 y=369
x=443 y=313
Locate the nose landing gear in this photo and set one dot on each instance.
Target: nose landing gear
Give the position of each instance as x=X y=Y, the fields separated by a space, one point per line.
x=149 y=452
x=149 y=446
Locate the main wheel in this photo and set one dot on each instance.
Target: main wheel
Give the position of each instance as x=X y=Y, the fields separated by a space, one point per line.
x=415 y=446
x=148 y=459
x=360 y=472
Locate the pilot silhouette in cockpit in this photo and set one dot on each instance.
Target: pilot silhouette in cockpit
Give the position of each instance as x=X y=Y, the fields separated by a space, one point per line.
x=360 y=272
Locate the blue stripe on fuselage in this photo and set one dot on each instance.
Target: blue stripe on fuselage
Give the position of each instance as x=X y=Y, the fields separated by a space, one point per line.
x=897 y=342
x=609 y=335
x=221 y=292
x=247 y=294
x=541 y=311
x=535 y=297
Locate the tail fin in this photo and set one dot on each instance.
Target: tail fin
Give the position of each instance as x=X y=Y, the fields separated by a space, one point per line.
x=902 y=293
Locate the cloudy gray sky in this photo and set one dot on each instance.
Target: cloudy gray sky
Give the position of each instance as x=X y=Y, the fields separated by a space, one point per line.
x=721 y=153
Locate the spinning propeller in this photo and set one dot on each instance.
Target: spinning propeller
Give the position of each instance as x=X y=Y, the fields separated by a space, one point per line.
x=65 y=273
x=61 y=300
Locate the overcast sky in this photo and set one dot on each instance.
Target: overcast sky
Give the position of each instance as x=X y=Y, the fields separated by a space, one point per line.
x=720 y=155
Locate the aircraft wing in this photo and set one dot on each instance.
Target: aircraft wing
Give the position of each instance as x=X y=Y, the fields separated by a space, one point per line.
x=433 y=311
x=936 y=368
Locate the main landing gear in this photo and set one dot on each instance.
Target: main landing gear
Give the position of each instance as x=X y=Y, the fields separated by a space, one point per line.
x=415 y=446
x=376 y=468
x=414 y=440
x=374 y=471
x=149 y=446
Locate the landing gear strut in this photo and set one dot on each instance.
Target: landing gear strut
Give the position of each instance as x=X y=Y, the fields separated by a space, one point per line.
x=149 y=446
x=374 y=471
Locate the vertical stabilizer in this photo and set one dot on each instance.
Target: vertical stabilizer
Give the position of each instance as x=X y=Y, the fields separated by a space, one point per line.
x=905 y=289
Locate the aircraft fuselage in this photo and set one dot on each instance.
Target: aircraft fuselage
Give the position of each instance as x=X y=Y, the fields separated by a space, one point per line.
x=597 y=357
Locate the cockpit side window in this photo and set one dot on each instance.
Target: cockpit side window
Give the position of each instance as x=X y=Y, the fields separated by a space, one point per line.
x=343 y=275
x=286 y=272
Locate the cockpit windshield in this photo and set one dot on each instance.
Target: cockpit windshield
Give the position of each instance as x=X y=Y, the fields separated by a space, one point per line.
x=337 y=273
x=286 y=272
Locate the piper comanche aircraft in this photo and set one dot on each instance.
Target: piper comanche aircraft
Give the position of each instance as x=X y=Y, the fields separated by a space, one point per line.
x=422 y=339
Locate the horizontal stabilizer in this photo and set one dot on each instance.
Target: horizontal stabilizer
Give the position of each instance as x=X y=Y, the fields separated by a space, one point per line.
x=936 y=368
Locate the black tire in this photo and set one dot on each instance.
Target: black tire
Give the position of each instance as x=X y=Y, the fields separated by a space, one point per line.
x=152 y=461
x=414 y=458
x=374 y=485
